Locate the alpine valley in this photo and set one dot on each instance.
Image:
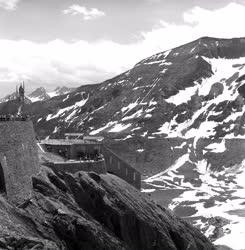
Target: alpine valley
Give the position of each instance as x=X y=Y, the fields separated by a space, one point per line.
x=178 y=117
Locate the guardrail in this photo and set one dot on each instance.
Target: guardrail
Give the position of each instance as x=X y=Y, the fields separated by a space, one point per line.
x=5 y=118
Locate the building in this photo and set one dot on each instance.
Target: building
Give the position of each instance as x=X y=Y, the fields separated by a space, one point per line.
x=74 y=149
x=20 y=96
x=88 y=153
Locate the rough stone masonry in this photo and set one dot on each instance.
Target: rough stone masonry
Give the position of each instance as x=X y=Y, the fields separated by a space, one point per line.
x=18 y=158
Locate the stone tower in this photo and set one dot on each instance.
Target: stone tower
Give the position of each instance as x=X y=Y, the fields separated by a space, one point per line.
x=20 y=96
x=18 y=159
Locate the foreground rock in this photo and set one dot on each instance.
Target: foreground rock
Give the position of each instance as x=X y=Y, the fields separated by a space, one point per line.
x=87 y=211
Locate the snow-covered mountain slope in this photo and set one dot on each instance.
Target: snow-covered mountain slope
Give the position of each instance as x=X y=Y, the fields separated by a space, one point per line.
x=201 y=180
x=59 y=91
x=178 y=117
x=193 y=89
x=206 y=186
x=41 y=94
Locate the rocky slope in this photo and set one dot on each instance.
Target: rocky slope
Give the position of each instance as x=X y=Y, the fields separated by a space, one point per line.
x=88 y=211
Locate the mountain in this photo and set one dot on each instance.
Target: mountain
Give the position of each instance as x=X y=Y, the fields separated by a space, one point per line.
x=39 y=94
x=179 y=93
x=178 y=117
x=92 y=212
x=60 y=91
x=8 y=98
x=12 y=98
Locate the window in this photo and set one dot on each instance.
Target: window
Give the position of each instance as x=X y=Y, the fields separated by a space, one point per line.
x=134 y=176
x=2 y=180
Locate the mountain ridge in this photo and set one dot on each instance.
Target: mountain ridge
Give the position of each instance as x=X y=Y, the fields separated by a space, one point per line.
x=39 y=94
x=154 y=82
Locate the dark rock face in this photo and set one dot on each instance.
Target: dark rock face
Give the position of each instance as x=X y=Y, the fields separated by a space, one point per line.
x=87 y=211
x=216 y=89
x=241 y=90
x=26 y=243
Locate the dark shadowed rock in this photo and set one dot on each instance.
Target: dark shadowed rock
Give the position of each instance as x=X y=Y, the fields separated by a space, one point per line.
x=102 y=212
x=216 y=90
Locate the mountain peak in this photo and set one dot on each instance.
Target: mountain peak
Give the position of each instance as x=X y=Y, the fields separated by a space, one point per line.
x=39 y=94
x=205 y=46
x=38 y=91
x=61 y=90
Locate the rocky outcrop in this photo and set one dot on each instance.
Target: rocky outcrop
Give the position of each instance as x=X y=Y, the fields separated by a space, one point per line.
x=88 y=211
x=216 y=90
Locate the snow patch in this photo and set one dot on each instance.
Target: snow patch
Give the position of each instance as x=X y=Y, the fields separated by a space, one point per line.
x=150 y=190
x=183 y=96
x=119 y=127
x=140 y=150
x=109 y=124
x=217 y=147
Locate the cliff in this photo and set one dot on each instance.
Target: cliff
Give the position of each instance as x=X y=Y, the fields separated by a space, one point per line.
x=88 y=211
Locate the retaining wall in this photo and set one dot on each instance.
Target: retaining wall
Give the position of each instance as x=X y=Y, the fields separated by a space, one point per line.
x=120 y=168
x=73 y=167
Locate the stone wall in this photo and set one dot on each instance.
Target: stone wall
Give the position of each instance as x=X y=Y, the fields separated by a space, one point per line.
x=86 y=148
x=120 y=168
x=72 y=151
x=113 y=163
x=73 y=167
x=18 y=158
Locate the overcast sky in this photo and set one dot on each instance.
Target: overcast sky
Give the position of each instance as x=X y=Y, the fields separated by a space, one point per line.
x=51 y=43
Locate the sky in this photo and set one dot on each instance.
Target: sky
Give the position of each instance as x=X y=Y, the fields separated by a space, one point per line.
x=52 y=43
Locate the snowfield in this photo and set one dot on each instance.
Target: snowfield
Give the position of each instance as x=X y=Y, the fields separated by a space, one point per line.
x=207 y=196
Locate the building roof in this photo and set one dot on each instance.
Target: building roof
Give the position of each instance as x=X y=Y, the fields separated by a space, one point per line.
x=95 y=138
x=68 y=142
